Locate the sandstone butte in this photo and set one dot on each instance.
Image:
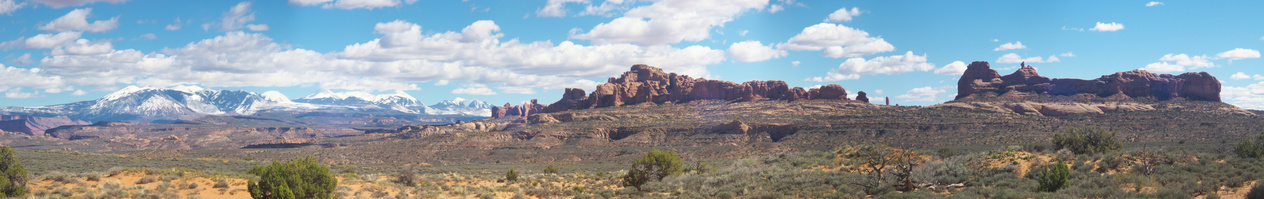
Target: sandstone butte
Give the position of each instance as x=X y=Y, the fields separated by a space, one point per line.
x=979 y=78
x=648 y=84
x=35 y=125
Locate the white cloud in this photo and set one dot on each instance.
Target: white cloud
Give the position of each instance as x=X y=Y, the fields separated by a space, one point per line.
x=235 y=18
x=1201 y=61
x=65 y=3
x=78 y=93
x=63 y=43
x=1013 y=58
x=1074 y=29
x=1163 y=67
x=895 y=64
x=175 y=25
x=1154 y=3
x=1248 y=97
x=76 y=20
x=753 y=51
x=1238 y=53
x=1261 y=37
x=843 y=15
x=923 y=94
x=474 y=89
x=832 y=76
x=18 y=94
x=555 y=8
x=1107 y=27
x=8 y=6
x=1067 y=54
x=794 y=63
x=83 y=47
x=743 y=32
x=257 y=27
x=25 y=59
x=49 y=41
x=604 y=9
x=775 y=8
x=443 y=82
x=148 y=36
x=955 y=68
x=1242 y=76
x=837 y=41
x=475 y=55
x=16 y=78
x=1010 y=46
x=669 y=21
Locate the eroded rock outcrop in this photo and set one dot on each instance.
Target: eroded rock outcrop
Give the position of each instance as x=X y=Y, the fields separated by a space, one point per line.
x=979 y=78
x=648 y=84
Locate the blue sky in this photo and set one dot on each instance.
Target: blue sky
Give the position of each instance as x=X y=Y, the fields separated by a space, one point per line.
x=61 y=51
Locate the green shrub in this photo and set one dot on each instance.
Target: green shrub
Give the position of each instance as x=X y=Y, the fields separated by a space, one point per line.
x=511 y=175
x=1085 y=140
x=1246 y=149
x=654 y=166
x=300 y=178
x=550 y=169
x=407 y=177
x=1256 y=192
x=1053 y=177
x=13 y=175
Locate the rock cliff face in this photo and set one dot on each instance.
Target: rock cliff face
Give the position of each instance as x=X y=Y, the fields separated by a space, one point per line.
x=648 y=84
x=35 y=125
x=980 y=78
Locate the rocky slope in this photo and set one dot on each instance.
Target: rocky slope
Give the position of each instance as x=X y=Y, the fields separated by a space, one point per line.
x=648 y=84
x=35 y=125
x=979 y=79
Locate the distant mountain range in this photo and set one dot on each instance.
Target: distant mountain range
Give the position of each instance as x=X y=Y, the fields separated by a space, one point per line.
x=147 y=104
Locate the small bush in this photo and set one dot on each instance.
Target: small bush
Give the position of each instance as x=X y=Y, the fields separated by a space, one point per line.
x=146 y=180
x=511 y=175
x=221 y=184
x=550 y=169
x=13 y=175
x=407 y=177
x=1246 y=149
x=656 y=165
x=300 y=178
x=1053 y=177
x=1085 y=140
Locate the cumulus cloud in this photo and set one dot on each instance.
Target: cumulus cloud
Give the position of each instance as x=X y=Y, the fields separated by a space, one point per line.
x=895 y=64
x=8 y=6
x=1238 y=53
x=65 y=3
x=25 y=59
x=63 y=43
x=1107 y=27
x=1013 y=58
x=1242 y=76
x=175 y=25
x=396 y=61
x=753 y=51
x=236 y=18
x=1248 y=97
x=923 y=94
x=843 y=15
x=555 y=8
x=1163 y=67
x=955 y=68
x=1010 y=46
x=669 y=21
x=837 y=41
x=1179 y=63
x=474 y=89
x=1154 y=3
x=76 y=20
x=17 y=78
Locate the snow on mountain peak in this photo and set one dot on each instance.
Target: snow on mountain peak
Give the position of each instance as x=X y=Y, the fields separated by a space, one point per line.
x=189 y=88
x=274 y=96
x=126 y=91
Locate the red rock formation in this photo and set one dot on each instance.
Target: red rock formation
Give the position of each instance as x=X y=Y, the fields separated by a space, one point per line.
x=35 y=125
x=860 y=96
x=980 y=78
x=647 y=84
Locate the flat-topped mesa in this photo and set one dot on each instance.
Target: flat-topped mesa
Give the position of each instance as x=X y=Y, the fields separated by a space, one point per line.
x=648 y=84
x=979 y=78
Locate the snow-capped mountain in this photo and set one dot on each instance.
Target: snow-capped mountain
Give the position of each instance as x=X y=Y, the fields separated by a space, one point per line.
x=460 y=106
x=398 y=101
x=147 y=104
